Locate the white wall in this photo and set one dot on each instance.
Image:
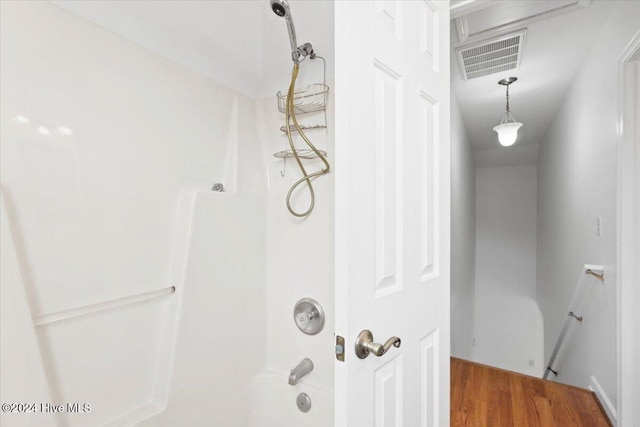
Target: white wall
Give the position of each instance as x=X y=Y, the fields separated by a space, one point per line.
x=22 y=370
x=628 y=244
x=463 y=237
x=577 y=185
x=220 y=327
x=96 y=215
x=248 y=262
x=93 y=213
x=508 y=320
x=299 y=251
x=506 y=230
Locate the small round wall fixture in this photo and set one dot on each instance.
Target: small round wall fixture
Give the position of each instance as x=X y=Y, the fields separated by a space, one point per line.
x=508 y=128
x=303 y=401
x=309 y=316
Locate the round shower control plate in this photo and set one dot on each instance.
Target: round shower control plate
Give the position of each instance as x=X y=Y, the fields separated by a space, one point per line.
x=303 y=402
x=309 y=316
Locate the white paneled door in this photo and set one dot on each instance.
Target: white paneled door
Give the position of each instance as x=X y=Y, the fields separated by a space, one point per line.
x=392 y=211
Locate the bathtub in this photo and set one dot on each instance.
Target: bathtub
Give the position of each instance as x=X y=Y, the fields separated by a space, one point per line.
x=270 y=402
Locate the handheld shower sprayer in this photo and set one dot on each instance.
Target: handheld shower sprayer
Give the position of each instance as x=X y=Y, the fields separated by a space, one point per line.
x=281 y=8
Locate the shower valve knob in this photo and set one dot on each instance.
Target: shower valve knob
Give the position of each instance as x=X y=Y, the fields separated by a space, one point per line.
x=305 y=318
x=309 y=316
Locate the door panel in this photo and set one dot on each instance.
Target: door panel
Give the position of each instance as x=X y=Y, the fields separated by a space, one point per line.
x=388 y=393
x=387 y=98
x=392 y=210
x=429 y=380
x=429 y=232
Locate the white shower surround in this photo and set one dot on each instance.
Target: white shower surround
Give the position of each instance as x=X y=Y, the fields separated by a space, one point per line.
x=130 y=187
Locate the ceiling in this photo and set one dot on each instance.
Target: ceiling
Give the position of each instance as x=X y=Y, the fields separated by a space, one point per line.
x=556 y=45
x=241 y=44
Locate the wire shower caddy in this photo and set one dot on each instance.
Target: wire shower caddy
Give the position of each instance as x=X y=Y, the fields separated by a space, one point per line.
x=311 y=99
x=307 y=100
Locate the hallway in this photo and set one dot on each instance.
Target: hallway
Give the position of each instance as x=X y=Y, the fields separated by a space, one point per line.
x=528 y=216
x=482 y=396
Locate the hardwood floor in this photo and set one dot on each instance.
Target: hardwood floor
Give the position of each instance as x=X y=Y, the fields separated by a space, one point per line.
x=482 y=396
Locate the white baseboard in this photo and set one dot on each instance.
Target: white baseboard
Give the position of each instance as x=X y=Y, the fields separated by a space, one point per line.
x=609 y=408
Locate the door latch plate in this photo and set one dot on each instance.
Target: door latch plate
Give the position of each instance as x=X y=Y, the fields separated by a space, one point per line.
x=340 y=348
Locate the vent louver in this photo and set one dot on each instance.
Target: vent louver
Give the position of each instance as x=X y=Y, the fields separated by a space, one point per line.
x=491 y=56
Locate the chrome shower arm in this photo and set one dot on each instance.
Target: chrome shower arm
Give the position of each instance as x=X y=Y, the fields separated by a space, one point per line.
x=307 y=50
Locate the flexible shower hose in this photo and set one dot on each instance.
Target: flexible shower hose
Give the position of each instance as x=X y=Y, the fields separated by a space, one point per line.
x=290 y=114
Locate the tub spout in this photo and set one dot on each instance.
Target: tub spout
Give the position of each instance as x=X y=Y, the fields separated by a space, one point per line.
x=300 y=371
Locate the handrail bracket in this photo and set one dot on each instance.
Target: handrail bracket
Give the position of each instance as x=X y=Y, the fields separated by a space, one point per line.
x=578 y=318
x=596 y=275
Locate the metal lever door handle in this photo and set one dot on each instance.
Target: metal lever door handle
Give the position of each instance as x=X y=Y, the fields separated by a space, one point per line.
x=365 y=345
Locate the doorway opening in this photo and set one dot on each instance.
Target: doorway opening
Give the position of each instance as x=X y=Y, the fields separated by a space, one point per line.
x=529 y=220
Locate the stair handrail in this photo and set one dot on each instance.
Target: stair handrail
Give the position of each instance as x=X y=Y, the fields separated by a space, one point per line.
x=596 y=271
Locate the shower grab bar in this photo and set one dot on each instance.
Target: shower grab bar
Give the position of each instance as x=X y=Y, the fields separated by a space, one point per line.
x=594 y=270
x=47 y=319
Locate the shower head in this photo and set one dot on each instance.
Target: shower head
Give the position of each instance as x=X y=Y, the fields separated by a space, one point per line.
x=281 y=8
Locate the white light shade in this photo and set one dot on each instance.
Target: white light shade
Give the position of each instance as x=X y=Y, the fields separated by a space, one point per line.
x=507 y=133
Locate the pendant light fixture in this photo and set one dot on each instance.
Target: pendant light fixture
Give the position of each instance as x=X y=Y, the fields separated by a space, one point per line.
x=508 y=127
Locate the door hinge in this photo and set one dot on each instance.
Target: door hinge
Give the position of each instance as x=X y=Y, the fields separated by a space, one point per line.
x=340 y=348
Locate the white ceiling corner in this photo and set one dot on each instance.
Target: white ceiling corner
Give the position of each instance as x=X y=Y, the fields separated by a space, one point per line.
x=479 y=19
x=517 y=155
x=460 y=8
x=240 y=44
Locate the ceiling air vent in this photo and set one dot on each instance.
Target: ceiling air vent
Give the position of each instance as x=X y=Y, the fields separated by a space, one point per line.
x=491 y=56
